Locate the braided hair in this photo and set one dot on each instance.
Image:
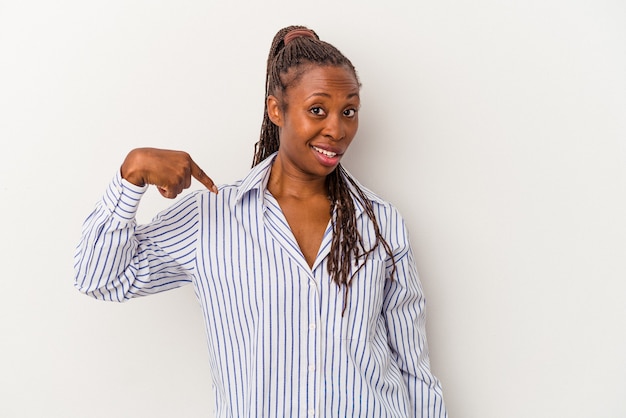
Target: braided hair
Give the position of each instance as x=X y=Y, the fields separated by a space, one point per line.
x=297 y=53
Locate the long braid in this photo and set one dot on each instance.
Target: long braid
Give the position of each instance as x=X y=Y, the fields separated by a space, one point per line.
x=347 y=243
x=347 y=246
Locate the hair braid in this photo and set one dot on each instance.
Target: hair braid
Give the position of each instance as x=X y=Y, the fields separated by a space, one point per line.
x=347 y=247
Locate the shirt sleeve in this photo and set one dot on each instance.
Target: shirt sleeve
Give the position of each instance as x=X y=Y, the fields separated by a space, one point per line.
x=116 y=260
x=404 y=311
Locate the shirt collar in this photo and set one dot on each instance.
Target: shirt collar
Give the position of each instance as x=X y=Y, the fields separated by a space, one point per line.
x=371 y=196
x=257 y=179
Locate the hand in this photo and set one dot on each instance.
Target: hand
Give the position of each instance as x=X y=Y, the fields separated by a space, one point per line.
x=170 y=171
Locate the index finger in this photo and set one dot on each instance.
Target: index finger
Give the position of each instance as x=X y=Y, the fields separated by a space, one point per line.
x=201 y=176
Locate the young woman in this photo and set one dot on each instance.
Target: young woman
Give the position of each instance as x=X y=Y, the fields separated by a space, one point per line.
x=307 y=281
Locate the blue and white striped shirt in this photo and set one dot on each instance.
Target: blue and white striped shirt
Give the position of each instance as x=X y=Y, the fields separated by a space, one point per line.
x=278 y=343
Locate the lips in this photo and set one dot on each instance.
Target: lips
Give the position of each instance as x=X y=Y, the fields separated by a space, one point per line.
x=327 y=152
x=326 y=155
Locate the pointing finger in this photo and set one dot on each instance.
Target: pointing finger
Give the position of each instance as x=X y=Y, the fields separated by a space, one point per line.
x=201 y=176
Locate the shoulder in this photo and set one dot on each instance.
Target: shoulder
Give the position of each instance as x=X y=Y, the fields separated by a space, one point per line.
x=383 y=209
x=389 y=219
x=227 y=193
x=249 y=188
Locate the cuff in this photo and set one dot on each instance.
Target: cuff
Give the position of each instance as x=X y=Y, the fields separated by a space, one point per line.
x=122 y=197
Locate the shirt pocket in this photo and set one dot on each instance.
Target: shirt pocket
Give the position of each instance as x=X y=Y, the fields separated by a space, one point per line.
x=362 y=316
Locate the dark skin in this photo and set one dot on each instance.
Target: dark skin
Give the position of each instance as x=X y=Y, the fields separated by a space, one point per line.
x=317 y=118
x=170 y=171
x=319 y=112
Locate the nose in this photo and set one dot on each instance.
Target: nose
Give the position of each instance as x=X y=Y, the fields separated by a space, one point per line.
x=335 y=128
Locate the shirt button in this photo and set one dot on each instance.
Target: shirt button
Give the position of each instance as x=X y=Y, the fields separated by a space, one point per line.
x=311 y=412
x=311 y=367
x=311 y=326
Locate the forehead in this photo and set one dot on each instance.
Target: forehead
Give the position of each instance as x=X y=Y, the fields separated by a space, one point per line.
x=333 y=80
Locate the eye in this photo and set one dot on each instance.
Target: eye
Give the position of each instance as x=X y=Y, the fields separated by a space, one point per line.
x=349 y=113
x=317 y=111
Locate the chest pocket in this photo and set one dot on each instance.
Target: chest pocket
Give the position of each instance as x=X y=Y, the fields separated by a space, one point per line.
x=363 y=310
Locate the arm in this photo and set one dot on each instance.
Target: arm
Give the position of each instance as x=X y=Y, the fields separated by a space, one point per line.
x=404 y=311
x=116 y=259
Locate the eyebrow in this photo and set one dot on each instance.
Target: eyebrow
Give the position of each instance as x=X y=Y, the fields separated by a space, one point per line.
x=350 y=96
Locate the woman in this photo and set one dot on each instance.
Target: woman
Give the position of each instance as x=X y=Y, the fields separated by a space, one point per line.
x=307 y=282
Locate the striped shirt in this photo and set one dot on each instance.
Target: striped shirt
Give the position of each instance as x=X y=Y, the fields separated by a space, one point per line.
x=279 y=345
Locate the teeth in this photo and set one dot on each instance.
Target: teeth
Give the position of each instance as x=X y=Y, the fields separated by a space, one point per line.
x=326 y=153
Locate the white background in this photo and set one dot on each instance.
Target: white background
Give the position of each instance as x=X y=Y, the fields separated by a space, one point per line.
x=497 y=128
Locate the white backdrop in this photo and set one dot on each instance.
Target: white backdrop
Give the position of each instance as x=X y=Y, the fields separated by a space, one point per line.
x=497 y=128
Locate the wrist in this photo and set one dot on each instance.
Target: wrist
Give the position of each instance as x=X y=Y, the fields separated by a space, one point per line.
x=130 y=170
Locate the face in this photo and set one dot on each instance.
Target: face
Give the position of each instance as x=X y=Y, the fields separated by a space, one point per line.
x=317 y=119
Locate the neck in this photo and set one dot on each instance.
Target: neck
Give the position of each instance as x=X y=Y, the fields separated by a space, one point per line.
x=287 y=181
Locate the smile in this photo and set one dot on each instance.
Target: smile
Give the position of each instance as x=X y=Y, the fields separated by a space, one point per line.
x=322 y=151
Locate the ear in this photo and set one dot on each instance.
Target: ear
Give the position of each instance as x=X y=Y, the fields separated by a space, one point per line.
x=274 y=110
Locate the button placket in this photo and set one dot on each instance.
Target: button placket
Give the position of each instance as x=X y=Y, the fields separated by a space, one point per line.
x=313 y=346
